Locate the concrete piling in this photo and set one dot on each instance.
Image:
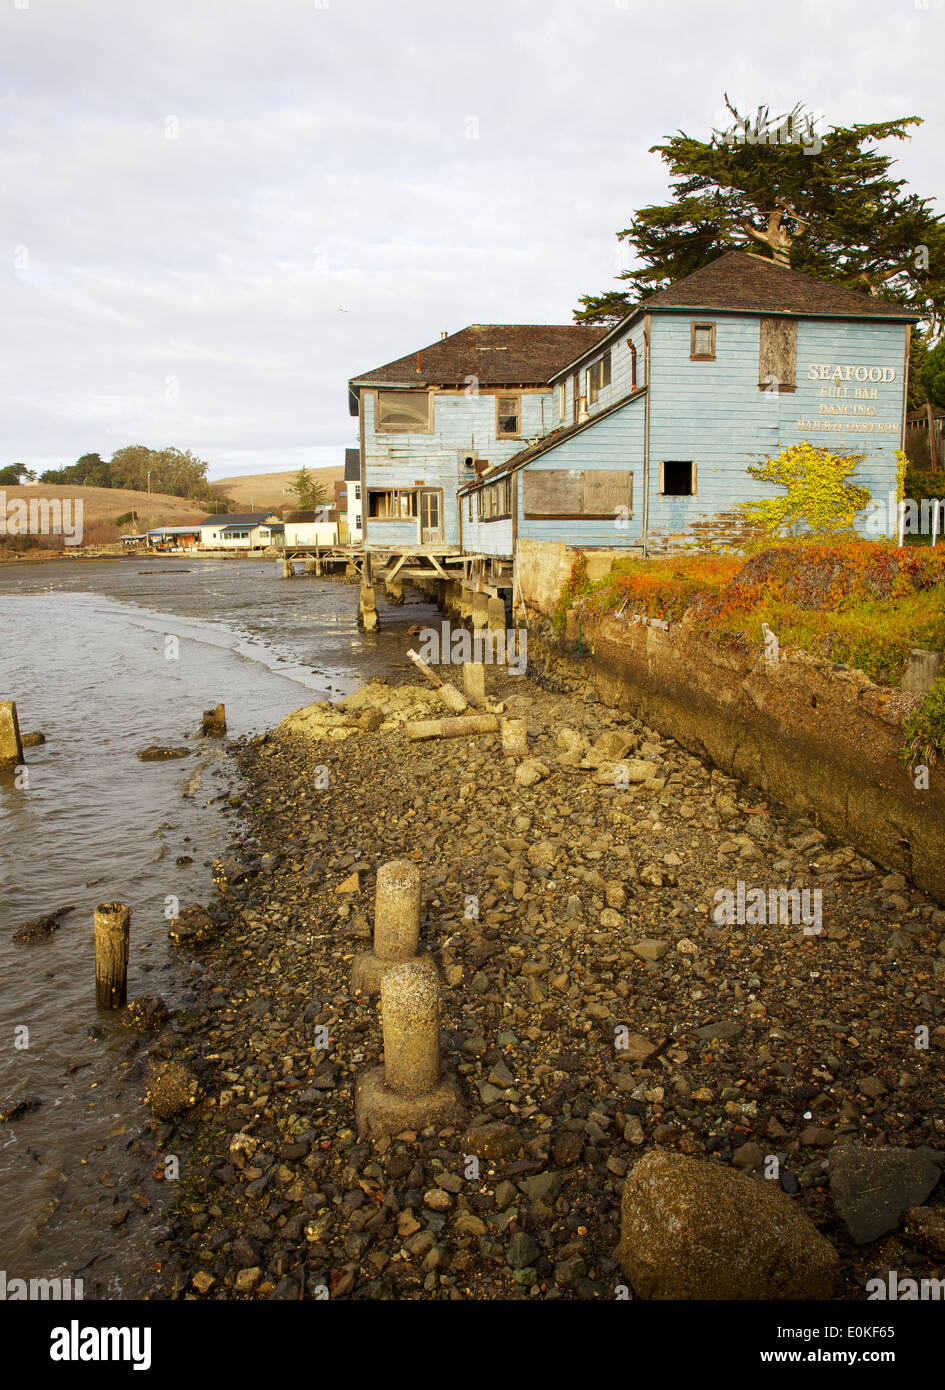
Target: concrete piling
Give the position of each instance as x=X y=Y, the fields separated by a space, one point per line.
x=465 y=600
x=396 y=927
x=514 y=738
x=495 y=614
x=310 y=567
x=474 y=682
x=450 y=698
x=393 y=591
x=367 y=609
x=11 y=747
x=480 y=609
x=410 y=1091
x=112 y=933
x=288 y=572
x=214 y=721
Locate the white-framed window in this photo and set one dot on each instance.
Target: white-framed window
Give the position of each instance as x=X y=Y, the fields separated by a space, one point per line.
x=408 y=411
x=562 y=400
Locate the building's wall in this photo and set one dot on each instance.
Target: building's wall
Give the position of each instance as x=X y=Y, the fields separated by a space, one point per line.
x=714 y=414
x=615 y=442
x=488 y=537
x=621 y=379
x=462 y=424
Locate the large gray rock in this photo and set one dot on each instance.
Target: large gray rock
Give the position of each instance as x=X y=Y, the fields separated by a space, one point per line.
x=872 y=1188
x=697 y=1230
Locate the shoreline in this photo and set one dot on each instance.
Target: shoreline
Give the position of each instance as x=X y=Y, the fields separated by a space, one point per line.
x=749 y=1040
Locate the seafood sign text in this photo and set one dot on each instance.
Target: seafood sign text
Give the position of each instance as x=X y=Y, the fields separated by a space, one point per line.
x=823 y=371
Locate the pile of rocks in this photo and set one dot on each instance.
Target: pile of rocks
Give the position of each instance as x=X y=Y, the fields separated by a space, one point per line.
x=595 y=1012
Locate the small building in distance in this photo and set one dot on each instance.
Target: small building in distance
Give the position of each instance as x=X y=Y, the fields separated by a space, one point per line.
x=243 y=531
x=352 y=501
x=171 y=538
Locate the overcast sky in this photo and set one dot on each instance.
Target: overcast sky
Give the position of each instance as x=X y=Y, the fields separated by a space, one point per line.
x=214 y=212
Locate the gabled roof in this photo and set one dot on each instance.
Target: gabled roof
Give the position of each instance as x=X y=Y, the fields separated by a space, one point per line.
x=739 y=280
x=225 y=519
x=497 y=354
x=352 y=465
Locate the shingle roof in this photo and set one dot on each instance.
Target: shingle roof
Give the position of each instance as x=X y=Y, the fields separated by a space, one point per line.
x=738 y=280
x=352 y=465
x=225 y=519
x=509 y=354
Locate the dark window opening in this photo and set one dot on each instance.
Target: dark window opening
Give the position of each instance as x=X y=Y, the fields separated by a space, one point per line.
x=679 y=478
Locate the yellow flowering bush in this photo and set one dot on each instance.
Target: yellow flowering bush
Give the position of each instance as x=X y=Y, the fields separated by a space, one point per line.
x=817 y=497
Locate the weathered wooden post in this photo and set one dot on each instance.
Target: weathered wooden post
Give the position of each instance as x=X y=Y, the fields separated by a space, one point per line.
x=288 y=571
x=396 y=926
x=112 y=933
x=410 y=1091
x=11 y=747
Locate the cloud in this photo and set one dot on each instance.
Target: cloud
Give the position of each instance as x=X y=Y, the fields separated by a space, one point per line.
x=214 y=215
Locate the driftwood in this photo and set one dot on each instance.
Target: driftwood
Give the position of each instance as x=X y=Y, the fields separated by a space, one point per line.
x=452 y=728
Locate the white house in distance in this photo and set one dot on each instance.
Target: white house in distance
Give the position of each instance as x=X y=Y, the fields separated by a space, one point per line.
x=246 y=531
x=353 y=496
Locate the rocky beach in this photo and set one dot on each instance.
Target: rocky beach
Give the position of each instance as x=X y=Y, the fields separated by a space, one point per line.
x=605 y=1023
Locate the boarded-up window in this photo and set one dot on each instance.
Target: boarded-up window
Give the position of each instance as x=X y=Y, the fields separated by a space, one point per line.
x=702 y=342
x=403 y=410
x=777 y=354
x=552 y=492
x=573 y=492
x=606 y=492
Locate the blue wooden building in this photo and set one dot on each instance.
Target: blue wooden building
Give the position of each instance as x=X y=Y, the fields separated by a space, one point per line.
x=651 y=428
x=440 y=416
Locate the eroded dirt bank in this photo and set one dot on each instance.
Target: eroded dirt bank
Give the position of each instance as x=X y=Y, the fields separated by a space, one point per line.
x=595 y=910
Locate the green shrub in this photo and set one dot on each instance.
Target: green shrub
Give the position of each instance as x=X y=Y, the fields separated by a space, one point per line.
x=924 y=729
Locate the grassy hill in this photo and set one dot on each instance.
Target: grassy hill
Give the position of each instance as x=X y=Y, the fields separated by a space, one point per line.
x=102 y=505
x=256 y=491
